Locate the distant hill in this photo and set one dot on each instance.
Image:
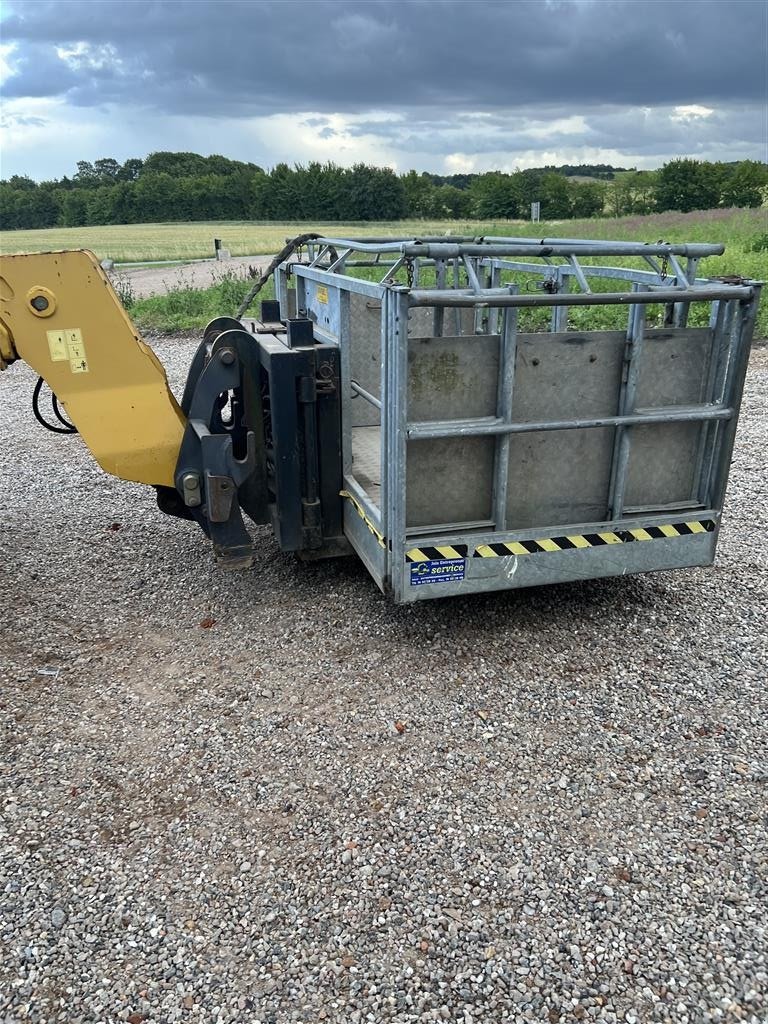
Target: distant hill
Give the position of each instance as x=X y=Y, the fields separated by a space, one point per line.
x=579 y=172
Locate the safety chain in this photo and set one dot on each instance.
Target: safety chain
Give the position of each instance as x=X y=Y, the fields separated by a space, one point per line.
x=664 y=261
x=409 y=270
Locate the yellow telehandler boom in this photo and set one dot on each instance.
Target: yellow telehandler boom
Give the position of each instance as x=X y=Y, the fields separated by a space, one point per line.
x=61 y=316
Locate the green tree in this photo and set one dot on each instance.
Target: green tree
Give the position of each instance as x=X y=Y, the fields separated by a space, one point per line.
x=495 y=195
x=180 y=165
x=419 y=194
x=74 y=209
x=448 y=201
x=555 y=197
x=687 y=185
x=21 y=183
x=742 y=187
x=587 y=199
x=158 y=198
x=107 y=170
x=131 y=169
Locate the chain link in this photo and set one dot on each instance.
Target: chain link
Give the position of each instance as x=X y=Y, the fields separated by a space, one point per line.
x=664 y=261
x=409 y=270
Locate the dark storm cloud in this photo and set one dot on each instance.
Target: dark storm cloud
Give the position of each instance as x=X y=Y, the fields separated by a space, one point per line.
x=248 y=59
x=640 y=131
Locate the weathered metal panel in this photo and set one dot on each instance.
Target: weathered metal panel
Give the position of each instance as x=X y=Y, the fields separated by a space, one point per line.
x=452 y=378
x=323 y=307
x=421 y=322
x=449 y=480
x=366 y=459
x=662 y=464
x=563 y=477
x=674 y=370
x=365 y=544
x=365 y=356
x=674 y=367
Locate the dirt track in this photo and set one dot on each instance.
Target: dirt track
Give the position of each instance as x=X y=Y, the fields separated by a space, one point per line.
x=158 y=280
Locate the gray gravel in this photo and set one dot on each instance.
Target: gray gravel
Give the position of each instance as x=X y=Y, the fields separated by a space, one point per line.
x=543 y=806
x=160 y=279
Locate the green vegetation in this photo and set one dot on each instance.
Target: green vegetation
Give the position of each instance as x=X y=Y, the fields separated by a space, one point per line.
x=743 y=232
x=185 y=308
x=184 y=187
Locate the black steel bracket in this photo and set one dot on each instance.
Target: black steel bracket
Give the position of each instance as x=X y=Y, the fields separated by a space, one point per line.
x=221 y=468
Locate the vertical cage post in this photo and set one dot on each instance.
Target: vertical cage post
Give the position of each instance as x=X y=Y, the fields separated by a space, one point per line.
x=440 y=275
x=745 y=314
x=706 y=433
x=346 y=341
x=559 y=315
x=395 y=417
x=723 y=356
x=507 y=357
x=627 y=396
x=494 y=281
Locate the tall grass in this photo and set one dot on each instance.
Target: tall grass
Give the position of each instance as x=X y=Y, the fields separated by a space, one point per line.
x=185 y=308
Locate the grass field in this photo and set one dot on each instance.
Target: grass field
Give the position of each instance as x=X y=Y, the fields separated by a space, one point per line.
x=743 y=232
x=139 y=242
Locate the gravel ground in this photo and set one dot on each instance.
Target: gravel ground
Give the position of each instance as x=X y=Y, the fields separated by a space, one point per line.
x=158 y=280
x=547 y=806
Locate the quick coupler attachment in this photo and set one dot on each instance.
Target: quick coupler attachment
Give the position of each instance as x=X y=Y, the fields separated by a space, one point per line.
x=221 y=467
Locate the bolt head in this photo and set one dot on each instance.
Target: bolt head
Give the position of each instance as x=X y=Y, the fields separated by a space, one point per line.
x=227 y=356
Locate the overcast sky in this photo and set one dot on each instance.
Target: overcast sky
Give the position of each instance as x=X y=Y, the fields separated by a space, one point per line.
x=438 y=86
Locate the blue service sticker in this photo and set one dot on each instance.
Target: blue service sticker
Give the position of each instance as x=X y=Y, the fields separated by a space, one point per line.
x=441 y=570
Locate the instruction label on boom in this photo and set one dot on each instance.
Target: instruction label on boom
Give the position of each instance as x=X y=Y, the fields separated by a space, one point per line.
x=67 y=344
x=443 y=570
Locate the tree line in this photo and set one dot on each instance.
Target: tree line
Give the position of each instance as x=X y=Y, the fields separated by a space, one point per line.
x=187 y=187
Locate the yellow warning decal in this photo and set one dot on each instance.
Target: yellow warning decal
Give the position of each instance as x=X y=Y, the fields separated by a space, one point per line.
x=68 y=344
x=322 y=294
x=588 y=540
x=362 y=513
x=435 y=554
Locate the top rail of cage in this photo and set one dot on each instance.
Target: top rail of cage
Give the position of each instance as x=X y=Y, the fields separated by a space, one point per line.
x=449 y=247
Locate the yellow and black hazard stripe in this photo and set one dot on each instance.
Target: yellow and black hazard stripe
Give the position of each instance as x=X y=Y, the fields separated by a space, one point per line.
x=437 y=553
x=366 y=519
x=590 y=540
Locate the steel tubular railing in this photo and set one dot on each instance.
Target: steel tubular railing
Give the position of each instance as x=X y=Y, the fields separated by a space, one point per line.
x=429 y=430
x=502 y=297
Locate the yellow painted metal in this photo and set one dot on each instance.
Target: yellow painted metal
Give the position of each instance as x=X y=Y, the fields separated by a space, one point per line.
x=60 y=314
x=7 y=353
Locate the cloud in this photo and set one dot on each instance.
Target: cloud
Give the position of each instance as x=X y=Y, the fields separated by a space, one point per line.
x=422 y=83
x=231 y=58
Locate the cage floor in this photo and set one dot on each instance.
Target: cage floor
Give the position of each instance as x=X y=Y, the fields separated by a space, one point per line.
x=366 y=460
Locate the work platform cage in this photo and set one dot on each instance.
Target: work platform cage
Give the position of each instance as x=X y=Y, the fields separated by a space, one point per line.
x=518 y=412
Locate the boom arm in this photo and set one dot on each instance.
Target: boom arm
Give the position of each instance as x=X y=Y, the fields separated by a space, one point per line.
x=257 y=412
x=60 y=314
